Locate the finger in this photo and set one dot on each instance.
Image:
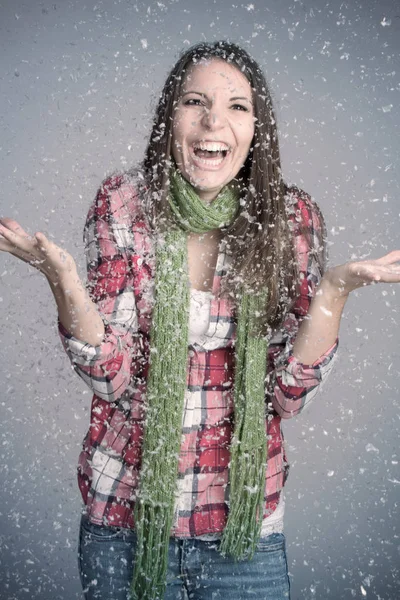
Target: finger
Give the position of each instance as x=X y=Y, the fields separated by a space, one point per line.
x=390 y=258
x=5 y=246
x=17 y=252
x=392 y=269
x=389 y=274
x=12 y=225
x=42 y=241
x=370 y=273
x=46 y=246
x=24 y=247
x=16 y=236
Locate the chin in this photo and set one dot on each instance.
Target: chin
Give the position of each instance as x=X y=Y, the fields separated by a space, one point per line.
x=204 y=182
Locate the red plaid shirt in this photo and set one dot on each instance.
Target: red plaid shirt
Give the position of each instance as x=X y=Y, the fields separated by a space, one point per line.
x=120 y=255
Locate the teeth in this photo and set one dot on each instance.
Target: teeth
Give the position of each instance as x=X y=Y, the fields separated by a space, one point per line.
x=211 y=146
x=210 y=162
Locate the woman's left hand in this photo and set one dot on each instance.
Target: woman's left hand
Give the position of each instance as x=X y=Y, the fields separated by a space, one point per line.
x=343 y=279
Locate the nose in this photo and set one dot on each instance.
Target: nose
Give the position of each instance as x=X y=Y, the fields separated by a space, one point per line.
x=213 y=118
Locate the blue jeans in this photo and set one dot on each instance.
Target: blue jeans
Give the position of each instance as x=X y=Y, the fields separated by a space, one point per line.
x=196 y=570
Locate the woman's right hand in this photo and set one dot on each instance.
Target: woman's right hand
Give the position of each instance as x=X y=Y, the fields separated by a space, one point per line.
x=36 y=250
x=76 y=311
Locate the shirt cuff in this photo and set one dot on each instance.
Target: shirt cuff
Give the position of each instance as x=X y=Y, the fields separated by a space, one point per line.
x=299 y=377
x=321 y=361
x=85 y=354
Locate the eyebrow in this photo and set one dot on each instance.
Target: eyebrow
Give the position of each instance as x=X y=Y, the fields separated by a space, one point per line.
x=230 y=99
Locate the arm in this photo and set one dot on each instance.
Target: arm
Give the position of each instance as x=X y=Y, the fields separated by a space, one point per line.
x=99 y=330
x=76 y=311
x=108 y=367
x=293 y=381
x=298 y=369
x=321 y=326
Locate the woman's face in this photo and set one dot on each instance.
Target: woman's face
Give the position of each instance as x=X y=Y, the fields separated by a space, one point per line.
x=213 y=126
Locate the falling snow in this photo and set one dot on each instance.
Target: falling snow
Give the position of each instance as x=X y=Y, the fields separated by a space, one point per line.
x=80 y=83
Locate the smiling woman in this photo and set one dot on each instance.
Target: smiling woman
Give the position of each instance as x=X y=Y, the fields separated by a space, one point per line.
x=208 y=318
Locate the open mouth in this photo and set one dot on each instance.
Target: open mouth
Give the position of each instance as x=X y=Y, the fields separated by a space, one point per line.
x=210 y=153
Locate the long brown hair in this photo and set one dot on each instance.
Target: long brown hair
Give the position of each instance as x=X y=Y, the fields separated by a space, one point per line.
x=261 y=239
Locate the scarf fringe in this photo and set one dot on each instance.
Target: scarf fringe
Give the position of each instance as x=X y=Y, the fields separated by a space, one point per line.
x=153 y=528
x=242 y=530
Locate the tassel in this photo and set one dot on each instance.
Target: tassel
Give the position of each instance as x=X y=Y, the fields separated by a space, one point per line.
x=242 y=530
x=151 y=557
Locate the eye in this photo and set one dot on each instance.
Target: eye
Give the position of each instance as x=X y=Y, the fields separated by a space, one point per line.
x=240 y=107
x=193 y=102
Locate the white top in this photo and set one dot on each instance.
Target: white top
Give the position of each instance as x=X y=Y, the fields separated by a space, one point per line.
x=199 y=315
x=199 y=321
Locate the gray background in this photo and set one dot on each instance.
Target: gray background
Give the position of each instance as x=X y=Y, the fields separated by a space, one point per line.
x=78 y=84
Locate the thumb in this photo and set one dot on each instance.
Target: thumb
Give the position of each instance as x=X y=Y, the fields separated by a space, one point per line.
x=42 y=240
x=40 y=237
x=44 y=244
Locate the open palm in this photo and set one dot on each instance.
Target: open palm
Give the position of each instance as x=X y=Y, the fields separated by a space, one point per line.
x=35 y=250
x=356 y=274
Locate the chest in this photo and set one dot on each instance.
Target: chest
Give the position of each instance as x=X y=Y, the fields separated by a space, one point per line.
x=202 y=259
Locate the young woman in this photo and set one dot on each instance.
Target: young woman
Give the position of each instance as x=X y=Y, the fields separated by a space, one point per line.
x=209 y=319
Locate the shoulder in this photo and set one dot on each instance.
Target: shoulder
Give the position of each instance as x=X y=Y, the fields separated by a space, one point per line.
x=308 y=226
x=119 y=199
x=303 y=211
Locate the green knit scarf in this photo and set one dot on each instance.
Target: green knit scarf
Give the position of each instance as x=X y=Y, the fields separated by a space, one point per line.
x=154 y=509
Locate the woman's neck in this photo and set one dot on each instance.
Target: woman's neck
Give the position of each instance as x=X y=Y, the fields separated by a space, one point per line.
x=202 y=258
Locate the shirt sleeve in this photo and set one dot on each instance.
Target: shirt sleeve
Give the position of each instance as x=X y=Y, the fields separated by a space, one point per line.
x=109 y=367
x=291 y=385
